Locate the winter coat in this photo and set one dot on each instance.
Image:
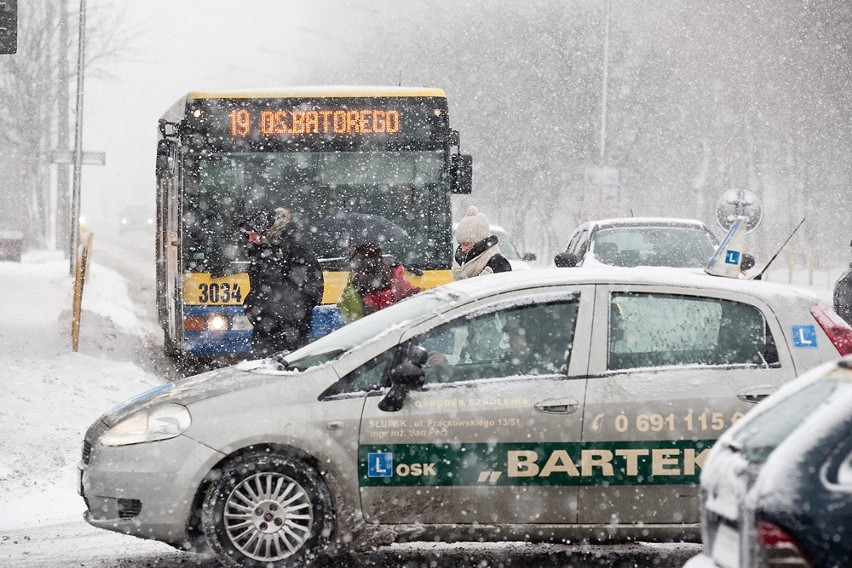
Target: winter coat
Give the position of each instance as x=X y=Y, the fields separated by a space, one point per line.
x=484 y=258
x=843 y=296
x=286 y=284
x=358 y=301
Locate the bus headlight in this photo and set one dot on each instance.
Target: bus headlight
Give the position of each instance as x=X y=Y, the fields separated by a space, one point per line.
x=217 y=322
x=158 y=423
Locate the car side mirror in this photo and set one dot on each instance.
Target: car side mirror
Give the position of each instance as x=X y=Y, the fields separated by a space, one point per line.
x=529 y=257
x=405 y=377
x=565 y=260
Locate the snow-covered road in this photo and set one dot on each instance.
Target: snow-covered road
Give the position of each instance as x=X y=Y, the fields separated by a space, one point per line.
x=77 y=544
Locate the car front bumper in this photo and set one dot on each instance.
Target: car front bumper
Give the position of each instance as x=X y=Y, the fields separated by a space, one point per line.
x=145 y=490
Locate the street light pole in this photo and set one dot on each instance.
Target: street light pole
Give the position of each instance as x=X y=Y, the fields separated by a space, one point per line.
x=78 y=142
x=605 y=81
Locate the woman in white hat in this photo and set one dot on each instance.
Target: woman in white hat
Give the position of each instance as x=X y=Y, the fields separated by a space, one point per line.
x=478 y=253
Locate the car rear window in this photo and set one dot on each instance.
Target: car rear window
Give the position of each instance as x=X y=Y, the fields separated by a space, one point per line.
x=656 y=330
x=654 y=246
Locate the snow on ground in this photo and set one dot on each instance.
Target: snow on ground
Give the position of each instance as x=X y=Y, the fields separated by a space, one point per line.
x=48 y=394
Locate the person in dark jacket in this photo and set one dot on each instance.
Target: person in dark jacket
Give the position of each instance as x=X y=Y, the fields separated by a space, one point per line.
x=286 y=282
x=843 y=295
x=478 y=253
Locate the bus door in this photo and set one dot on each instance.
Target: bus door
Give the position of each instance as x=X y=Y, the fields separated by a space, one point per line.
x=173 y=287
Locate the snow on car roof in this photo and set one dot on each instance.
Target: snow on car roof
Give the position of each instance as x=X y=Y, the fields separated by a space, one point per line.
x=644 y=221
x=687 y=277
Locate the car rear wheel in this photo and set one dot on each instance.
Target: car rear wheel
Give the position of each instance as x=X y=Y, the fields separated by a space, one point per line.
x=267 y=510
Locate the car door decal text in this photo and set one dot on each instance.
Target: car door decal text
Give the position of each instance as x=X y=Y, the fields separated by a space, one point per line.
x=660 y=462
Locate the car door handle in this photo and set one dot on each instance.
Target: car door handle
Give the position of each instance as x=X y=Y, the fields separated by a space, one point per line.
x=557 y=406
x=755 y=394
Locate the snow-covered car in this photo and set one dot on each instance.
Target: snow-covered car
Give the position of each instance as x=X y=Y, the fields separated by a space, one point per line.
x=542 y=404
x=518 y=260
x=639 y=241
x=777 y=489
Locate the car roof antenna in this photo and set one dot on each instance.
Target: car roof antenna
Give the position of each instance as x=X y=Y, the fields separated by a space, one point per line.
x=760 y=276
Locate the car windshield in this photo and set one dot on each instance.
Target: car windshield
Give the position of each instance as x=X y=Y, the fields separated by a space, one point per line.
x=335 y=344
x=767 y=430
x=680 y=247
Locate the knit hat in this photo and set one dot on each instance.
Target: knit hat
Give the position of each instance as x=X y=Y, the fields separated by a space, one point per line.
x=473 y=227
x=258 y=220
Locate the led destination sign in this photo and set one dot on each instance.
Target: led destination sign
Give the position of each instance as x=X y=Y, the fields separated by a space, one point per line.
x=275 y=124
x=326 y=121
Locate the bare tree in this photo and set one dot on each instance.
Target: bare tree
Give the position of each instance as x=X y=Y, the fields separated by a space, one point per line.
x=34 y=113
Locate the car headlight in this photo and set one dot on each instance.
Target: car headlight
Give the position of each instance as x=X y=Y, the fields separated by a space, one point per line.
x=158 y=423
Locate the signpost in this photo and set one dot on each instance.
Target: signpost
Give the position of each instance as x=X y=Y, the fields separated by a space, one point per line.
x=89 y=158
x=78 y=142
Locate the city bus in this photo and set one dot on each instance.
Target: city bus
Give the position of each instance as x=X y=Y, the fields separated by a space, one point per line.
x=320 y=152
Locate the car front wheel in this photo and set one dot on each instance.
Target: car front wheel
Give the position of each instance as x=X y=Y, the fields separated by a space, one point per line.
x=267 y=510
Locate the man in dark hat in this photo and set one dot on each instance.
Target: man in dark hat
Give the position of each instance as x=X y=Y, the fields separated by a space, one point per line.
x=286 y=282
x=843 y=295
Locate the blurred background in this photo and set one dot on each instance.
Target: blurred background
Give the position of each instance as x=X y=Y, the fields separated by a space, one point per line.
x=572 y=109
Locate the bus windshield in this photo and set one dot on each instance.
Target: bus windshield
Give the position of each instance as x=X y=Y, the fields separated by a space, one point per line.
x=350 y=164
x=401 y=186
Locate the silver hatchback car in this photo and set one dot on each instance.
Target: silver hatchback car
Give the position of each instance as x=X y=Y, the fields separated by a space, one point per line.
x=538 y=405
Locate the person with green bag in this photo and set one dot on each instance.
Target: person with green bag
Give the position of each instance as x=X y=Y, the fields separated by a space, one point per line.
x=374 y=282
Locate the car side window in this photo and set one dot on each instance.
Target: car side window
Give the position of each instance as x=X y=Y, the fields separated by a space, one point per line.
x=582 y=245
x=654 y=330
x=572 y=244
x=368 y=377
x=519 y=340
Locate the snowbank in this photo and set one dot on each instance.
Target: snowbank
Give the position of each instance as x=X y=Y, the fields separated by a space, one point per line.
x=48 y=394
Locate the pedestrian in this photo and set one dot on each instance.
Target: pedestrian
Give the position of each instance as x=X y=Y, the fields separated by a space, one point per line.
x=478 y=253
x=843 y=295
x=286 y=282
x=374 y=282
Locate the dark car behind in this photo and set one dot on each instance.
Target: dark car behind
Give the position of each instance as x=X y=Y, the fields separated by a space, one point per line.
x=777 y=489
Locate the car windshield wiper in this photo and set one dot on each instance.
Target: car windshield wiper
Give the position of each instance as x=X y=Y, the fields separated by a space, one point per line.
x=280 y=360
